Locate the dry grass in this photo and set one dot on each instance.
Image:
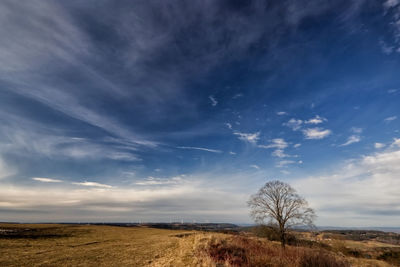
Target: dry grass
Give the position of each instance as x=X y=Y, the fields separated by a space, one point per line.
x=73 y=245
x=78 y=245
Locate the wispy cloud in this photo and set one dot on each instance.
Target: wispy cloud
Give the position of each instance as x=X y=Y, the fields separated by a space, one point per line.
x=276 y=143
x=379 y=145
x=161 y=181
x=284 y=163
x=255 y=166
x=281 y=113
x=295 y=124
x=46 y=180
x=279 y=144
x=92 y=184
x=237 y=96
x=228 y=125
x=351 y=140
x=316 y=120
x=356 y=130
x=200 y=148
x=248 y=137
x=316 y=133
x=214 y=102
x=389 y=119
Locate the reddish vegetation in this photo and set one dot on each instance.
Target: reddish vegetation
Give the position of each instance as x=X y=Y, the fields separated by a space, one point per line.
x=244 y=251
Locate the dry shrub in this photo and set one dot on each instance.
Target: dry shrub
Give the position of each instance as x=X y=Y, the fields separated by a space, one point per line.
x=245 y=251
x=321 y=259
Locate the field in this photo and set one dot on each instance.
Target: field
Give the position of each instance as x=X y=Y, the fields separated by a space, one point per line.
x=97 y=245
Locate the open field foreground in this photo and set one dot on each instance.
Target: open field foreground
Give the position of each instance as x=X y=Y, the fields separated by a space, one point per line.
x=91 y=245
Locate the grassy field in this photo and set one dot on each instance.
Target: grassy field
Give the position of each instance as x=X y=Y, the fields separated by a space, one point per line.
x=92 y=245
x=76 y=245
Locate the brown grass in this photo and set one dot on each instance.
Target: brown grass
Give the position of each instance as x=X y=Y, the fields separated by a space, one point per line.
x=74 y=245
x=78 y=245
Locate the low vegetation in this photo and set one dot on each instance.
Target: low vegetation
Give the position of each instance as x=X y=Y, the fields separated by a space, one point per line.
x=96 y=245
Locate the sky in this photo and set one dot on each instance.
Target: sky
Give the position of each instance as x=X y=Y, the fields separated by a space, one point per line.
x=158 y=111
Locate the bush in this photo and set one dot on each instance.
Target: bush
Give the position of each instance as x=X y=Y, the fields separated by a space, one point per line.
x=321 y=259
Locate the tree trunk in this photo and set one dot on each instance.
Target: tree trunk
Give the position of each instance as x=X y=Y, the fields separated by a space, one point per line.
x=283 y=237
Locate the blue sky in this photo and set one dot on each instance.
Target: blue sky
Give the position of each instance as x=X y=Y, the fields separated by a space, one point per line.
x=180 y=110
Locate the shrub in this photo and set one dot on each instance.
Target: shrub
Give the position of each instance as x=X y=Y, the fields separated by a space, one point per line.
x=321 y=259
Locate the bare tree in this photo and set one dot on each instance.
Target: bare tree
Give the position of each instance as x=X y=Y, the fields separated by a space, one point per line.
x=278 y=204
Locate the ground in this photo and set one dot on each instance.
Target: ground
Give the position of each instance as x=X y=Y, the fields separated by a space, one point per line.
x=101 y=245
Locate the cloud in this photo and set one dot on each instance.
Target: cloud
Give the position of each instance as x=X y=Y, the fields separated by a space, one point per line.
x=255 y=166
x=389 y=119
x=200 y=148
x=46 y=180
x=316 y=120
x=390 y=3
x=379 y=145
x=214 y=102
x=294 y=124
x=161 y=181
x=364 y=190
x=228 y=125
x=232 y=153
x=316 y=133
x=153 y=199
x=356 y=130
x=6 y=170
x=351 y=140
x=392 y=91
x=248 y=137
x=92 y=184
x=284 y=163
x=237 y=96
x=30 y=138
x=296 y=145
x=278 y=143
x=281 y=113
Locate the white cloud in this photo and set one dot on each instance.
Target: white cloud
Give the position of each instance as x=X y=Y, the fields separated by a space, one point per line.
x=248 y=137
x=385 y=48
x=389 y=119
x=200 y=148
x=46 y=180
x=276 y=143
x=232 y=153
x=363 y=191
x=296 y=145
x=214 y=102
x=351 y=140
x=197 y=198
x=316 y=120
x=284 y=163
x=281 y=113
x=316 y=133
x=294 y=124
x=280 y=153
x=356 y=130
x=379 y=145
x=237 y=96
x=255 y=166
x=92 y=184
x=228 y=125
x=390 y=3
x=396 y=142
x=162 y=181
